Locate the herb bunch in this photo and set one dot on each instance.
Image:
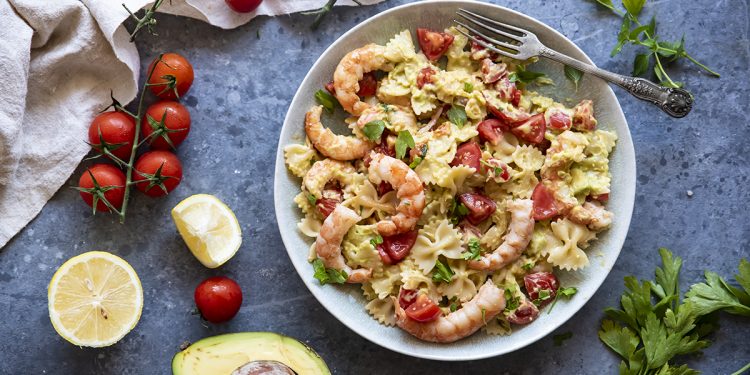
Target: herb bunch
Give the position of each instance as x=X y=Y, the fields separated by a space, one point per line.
x=658 y=52
x=654 y=324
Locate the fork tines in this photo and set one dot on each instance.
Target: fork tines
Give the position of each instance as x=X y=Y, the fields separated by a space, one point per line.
x=510 y=49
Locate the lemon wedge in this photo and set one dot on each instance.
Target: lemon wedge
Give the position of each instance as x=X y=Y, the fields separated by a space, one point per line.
x=95 y=299
x=209 y=229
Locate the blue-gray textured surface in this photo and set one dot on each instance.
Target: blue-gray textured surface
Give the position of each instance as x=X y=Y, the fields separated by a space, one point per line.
x=238 y=101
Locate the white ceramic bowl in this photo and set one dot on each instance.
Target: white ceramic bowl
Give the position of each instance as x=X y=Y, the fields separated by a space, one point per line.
x=346 y=302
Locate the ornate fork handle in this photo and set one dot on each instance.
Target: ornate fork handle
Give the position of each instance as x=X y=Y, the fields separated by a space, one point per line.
x=674 y=101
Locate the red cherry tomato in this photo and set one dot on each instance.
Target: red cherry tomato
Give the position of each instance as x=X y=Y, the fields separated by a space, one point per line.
x=326 y=206
x=468 y=154
x=384 y=187
x=117 y=130
x=433 y=43
x=424 y=76
x=558 y=120
x=368 y=85
x=526 y=313
x=397 y=247
x=106 y=176
x=531 y=130
x=243 y=6
x=381 y=148
x=406 y=297
x=492 y=72
x=423 y=309
x=147 y=167
x=543 y=203
x=384 y=257
x=491 y=130
x=218 y=299
x=172 y=68
x=512 y=117
x=536 y=282
x=479 y=52
x=480 y=207
x=176 y=124
x=516 y=99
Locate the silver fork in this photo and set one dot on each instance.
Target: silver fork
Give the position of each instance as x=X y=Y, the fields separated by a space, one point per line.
x=523 y=44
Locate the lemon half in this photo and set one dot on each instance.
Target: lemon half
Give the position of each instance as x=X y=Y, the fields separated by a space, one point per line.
x=209 y=228
x=95 y=299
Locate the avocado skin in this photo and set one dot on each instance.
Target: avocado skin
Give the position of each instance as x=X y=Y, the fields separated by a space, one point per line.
x=223 y=353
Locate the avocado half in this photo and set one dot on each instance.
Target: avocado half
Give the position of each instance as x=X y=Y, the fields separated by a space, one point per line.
x=220 y=355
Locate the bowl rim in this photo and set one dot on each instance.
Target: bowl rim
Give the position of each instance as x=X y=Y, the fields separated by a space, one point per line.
x=628 y=200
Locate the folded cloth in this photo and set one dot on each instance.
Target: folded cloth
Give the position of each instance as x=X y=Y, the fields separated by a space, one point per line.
x=58 y=62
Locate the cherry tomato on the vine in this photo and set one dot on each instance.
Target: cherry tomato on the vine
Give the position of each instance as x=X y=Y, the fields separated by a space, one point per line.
x=218 y=299
x=110 y=181
x=116 y=130
x=243 y=6
x=175 y=127
x=156 y=171
x=172 y=73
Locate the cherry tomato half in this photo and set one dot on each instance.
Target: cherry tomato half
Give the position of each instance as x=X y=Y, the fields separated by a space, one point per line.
x=218 y=299
x=536 y=282
x=368 y=85
x=433 y=43
x=106 y=176
x=406 y=297
x=491 y=130
x=423 y=309
x=117 y=130
x=176 y=124
x=152 y=183
x=468 y=154
x=172 y=68
x=397 y=247
x=531 y=130
x=543 y=203
x=243 y=6
x=480 y=207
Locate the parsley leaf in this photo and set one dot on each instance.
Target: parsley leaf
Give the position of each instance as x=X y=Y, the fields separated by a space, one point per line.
x=634 y=7
x=562 y=292
x=457 y=211
x=573 y=74
x=311 y=198
x=377 y=240
x=327 y=100
x=525 y=76
x=511 y=300
x=403 y=141
x=528 y=266
x=468 y=87
x=474 y=252
x=454 y=306
x=714 y=295
x=443 y=272
x=374 y=129
x=328 y=275
x=558 y=339
x=457 y=115
x=622 y=340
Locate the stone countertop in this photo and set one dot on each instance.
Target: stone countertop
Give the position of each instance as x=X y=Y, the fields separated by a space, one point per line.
x=245 y=79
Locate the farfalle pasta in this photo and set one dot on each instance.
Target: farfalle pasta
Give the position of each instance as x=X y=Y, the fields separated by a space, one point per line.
x=458 y=188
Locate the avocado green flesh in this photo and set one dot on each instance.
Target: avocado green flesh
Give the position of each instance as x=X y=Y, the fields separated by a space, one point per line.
x=224 y=353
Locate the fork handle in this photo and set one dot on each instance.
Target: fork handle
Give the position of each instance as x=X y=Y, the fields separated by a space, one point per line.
x=676 y=102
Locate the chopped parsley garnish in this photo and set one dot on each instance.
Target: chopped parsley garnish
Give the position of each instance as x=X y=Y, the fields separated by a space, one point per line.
x=457 y=115
x=418 y=160
x=511 y=301
x=328 y=275
x=374 y=129
x=454 y=306
x=443 y=272
x=474 y=252
x=403 y=141
x=562 y=292
x=528 y=266
x=543 y=295
x=499 y=171
x=325 y=99
x=377 y=240
x=311 y=198
x=468 y=87
x=457 y=211
x=561 y=337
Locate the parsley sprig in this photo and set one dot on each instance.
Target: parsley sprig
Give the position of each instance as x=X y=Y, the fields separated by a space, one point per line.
x=443 y=272
x=328 y=275
x=475 y=250
x=658 y=51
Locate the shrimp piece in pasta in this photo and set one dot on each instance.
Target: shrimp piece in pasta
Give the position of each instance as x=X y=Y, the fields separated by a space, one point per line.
x=323 y=171
x=328 y=243
x=480 y=310
x=409 y=191
x=591 y=214
x=350 y=71
x=334 y=146
x=515 y=242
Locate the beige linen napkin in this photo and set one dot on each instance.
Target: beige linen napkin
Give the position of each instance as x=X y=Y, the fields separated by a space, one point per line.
x=58 y=61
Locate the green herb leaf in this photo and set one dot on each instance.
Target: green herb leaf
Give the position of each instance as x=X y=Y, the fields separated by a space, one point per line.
x=374 y=129
x=622 y=36
x=468 y=87
x=511 y=301
x=743 y=277
x=525 y=76
x=328 y=275
x=559 y=339
x=457 y=211
x=327 y=100
x=608 y=4
x=713 y=295
x=634 y=7
x=311 y=198
x=573 y=75
x=442 y=272
x=457 y=115
x=403 y=141
x=622 y=340
x=527 y=266
x=454 y=306
x=475 y=249
x=640 y=64
x=377 y=240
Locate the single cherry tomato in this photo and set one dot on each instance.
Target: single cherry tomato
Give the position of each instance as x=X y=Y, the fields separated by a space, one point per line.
x=468 y=154
x=406 y=297
x=368 y=85
x=326 y=206
x=111 y=182
x=117 y=130
x=423 y=309
x=397 y=247
x=491 y=130
x=384 y=257
x=480 y=207
x=512 y=117
x=425 y=76
x=384 y=187
x=536 y=282
x=492 y=72
x=531 y=130
x=557 y=119
x=381 y=148
x=433 y=43
x=174 y=129
x=243 y=6
x=172 y=73
x=526 y=313
x=157 y=171
x=507 y=90
x=544 y=203
x=218 y=299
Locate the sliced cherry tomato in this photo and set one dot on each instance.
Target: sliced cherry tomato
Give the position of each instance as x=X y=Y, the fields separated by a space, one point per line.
x=491 y=130
x=507 y=89
x=531 y=130
x=526 y=313
x=406 y=297
x=480 y=207
x=468 y=154
x=383 y=187
x=433 y=43
x=492 y=72
x=544 y=203
x=172 y=73
x=536 y=282
x=397 y=247
x=157 y=171
x=513 y=116
x=117 y=130
x=583 y=116
x=516 y=99
x=111 y=183
x=368 y=85
x=243 y=6
x=425 y=76
x=384 y=257
x=423 y=310
x=557 y=119
x=174 y=129
x=381 y=148
x=330 y=88
x=218 y=299
x=326 y=206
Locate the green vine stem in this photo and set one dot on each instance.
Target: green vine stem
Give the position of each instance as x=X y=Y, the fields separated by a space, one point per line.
x=148 y=20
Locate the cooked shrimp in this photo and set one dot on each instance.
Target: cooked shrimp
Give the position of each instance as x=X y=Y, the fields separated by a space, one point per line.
x=350 y=71
x=324 y=171
x=591 y=214
x=409 y=190
x=485 y=305
x=334 y=146
x=328 y=243
x=400 y=118
x=518 y=237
